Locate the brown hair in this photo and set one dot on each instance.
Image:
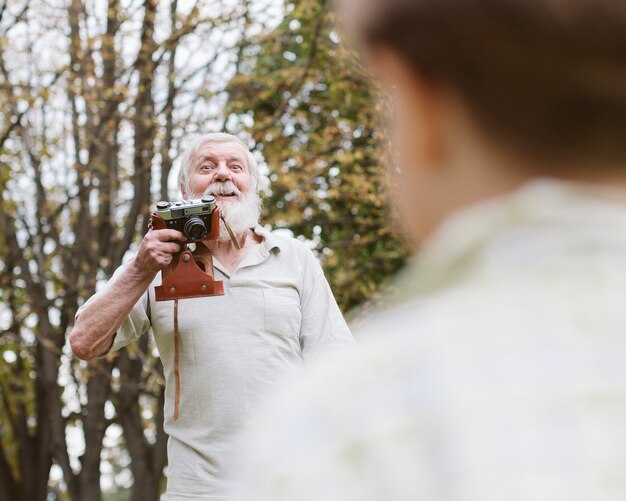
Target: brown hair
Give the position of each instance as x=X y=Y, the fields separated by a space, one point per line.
x=547 y=77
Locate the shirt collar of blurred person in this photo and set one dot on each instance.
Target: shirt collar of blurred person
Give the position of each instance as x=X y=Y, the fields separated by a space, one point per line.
x=542 y=217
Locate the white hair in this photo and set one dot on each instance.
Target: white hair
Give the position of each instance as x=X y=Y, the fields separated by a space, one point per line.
x=213 y=137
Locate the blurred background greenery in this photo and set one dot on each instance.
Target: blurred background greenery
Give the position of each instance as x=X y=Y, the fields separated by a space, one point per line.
x=97 y=99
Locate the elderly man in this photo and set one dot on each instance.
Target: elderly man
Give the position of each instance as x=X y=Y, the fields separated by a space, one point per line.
x=277 y=313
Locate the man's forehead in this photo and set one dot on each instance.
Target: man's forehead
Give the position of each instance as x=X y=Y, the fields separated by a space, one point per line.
x=227 y=149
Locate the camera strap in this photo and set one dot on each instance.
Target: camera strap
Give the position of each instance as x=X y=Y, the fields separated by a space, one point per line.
x=176 y=362
x=230 y=232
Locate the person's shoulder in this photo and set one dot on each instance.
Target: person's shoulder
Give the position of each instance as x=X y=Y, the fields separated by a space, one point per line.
x=412 y=319
x=442 y=325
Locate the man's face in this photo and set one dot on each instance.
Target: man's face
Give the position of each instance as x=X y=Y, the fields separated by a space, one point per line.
x=221 y=169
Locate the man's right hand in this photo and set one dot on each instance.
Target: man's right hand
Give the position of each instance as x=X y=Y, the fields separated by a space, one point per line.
x=157 y=250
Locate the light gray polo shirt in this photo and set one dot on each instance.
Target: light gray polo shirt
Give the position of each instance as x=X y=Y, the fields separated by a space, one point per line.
x=277 y=313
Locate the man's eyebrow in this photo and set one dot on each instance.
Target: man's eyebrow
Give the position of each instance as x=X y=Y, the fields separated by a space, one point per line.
x=237 y=158
x=211 y=157
x=202 y=158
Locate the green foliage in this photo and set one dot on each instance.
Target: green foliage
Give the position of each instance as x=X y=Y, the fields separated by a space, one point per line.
x=316 y=123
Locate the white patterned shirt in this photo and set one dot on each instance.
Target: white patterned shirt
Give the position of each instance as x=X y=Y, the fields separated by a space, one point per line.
x=500 y=374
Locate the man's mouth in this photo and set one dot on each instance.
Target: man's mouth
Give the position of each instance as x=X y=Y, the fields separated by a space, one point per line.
x=223 y=194
x=223 y=191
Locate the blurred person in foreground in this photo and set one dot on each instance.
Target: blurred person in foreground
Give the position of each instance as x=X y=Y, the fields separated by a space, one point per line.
x=277 y=314
x=499 y=373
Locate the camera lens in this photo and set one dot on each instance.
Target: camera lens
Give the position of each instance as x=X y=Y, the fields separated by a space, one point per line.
x=194 y=228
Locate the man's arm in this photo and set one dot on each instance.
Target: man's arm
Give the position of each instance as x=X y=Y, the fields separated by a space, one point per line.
x=323 y=327
x=94 y=330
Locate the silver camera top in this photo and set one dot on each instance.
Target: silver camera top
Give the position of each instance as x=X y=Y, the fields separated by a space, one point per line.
x=174 y=210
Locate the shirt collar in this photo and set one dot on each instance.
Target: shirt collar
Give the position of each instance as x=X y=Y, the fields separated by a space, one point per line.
x=270 y=241
x=541 y=203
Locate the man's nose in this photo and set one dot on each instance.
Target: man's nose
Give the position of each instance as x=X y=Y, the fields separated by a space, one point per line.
x=222 y=172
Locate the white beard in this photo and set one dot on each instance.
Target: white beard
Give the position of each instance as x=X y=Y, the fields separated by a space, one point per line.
x=241 y=214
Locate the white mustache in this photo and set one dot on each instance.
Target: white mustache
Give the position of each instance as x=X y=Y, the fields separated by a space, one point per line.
x=222 y=188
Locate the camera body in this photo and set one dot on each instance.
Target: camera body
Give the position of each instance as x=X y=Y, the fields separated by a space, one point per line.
x=197 y=219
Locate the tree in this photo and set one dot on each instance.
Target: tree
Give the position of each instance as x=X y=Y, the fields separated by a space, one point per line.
x=314 y=120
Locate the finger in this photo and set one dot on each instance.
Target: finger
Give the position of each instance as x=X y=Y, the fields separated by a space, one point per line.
x=170 y=248
x=167 y=235
x=152 y=248
x=157 y=249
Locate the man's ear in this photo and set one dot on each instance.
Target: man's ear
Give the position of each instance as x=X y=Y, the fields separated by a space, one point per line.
x=427 y=100
x=417 y=103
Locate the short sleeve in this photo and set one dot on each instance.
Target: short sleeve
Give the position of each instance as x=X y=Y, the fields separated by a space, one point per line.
x=323 y=327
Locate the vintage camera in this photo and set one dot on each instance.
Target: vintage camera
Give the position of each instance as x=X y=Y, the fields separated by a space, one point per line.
x=194 y=218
